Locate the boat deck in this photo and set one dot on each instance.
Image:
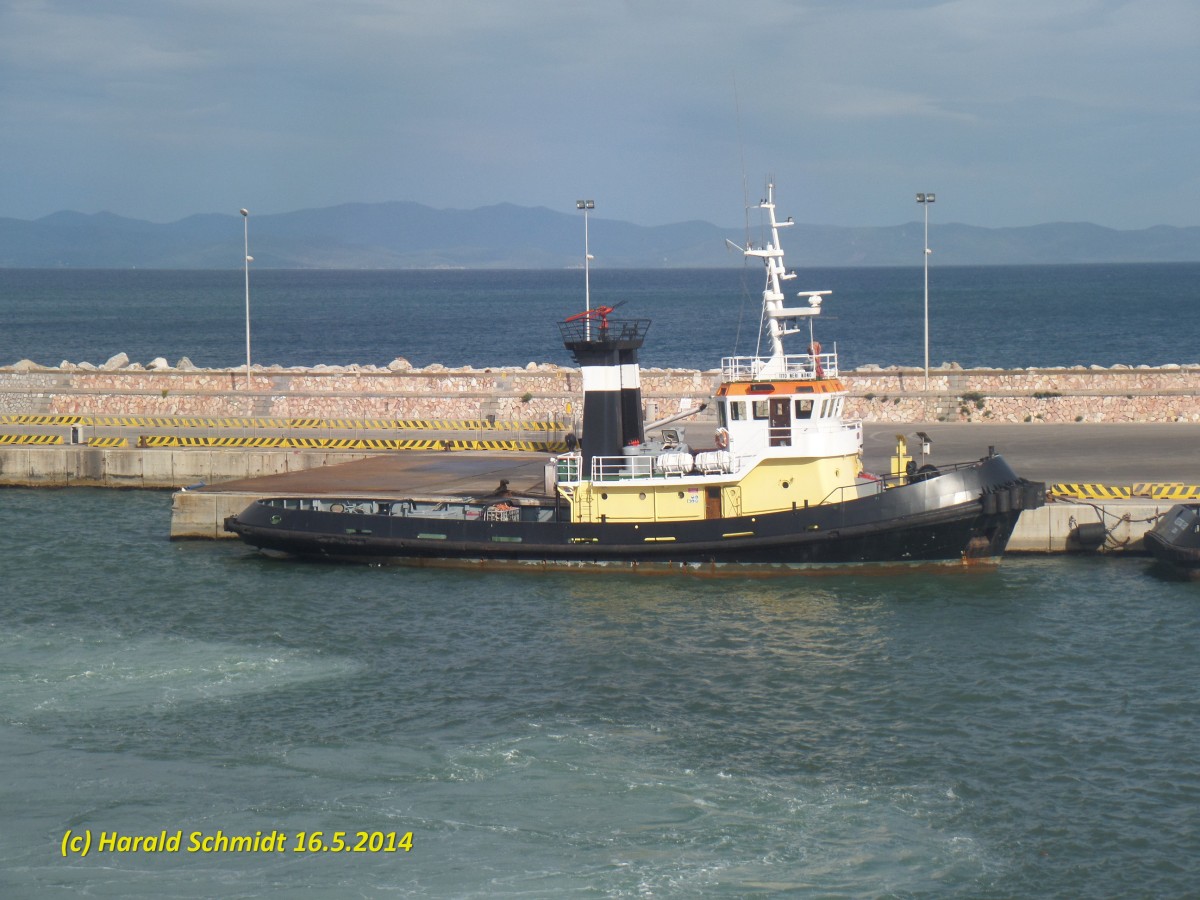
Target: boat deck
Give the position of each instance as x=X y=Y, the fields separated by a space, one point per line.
x=1077 y=452
x=402 y=474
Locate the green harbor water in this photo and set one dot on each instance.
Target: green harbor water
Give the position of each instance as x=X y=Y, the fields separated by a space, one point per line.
x=1024 y=732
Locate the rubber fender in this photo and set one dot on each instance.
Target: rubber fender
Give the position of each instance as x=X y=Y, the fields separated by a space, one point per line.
x=1034 y=494
x=927 y=471
x=1090 y=536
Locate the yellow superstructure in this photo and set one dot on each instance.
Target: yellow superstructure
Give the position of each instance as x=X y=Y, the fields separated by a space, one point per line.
x=786 y=444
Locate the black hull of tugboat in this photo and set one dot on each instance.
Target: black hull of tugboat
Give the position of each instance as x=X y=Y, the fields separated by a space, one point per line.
x=966 y=514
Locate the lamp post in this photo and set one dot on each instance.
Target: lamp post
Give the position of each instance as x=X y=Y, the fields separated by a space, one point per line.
x=246 y=266
x=585 y=205
x=925 y=200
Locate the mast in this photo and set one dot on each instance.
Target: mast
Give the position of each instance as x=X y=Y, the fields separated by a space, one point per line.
x=781 y=319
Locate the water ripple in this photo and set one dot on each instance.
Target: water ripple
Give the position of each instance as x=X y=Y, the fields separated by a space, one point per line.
x=1024 y=732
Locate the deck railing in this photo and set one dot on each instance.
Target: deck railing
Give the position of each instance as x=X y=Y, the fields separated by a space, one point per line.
x=799 y=365
x=569 y=468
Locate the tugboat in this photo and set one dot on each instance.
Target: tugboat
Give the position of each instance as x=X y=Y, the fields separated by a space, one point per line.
x=781 y=487
x=1174 y=541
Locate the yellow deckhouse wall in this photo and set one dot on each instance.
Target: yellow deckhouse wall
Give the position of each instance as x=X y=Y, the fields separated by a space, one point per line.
x=776 y=484
x=773 y=485
x=637 y=502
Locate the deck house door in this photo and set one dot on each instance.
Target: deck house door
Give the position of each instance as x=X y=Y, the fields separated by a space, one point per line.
x=712 y=503
x=780 y=422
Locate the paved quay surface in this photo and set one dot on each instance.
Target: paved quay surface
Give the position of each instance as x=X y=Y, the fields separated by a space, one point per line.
x=1078 y=452
x=1104 y=454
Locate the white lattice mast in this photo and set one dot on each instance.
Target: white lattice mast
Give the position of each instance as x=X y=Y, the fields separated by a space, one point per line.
x=774 y=310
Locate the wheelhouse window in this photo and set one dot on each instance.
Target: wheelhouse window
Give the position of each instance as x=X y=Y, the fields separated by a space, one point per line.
x=761 y=409
x=737 y=410
x=804 y=409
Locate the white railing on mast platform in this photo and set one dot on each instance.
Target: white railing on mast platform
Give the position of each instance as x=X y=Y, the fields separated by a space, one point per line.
x=800 y=365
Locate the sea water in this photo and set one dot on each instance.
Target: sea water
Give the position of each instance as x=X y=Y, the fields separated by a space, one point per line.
x=1029 y=731
x=1024 y=732
x=999 y=316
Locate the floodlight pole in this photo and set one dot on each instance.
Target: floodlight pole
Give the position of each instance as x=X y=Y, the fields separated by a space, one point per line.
x=925 y=200
x=246 y=266
x=585 y=205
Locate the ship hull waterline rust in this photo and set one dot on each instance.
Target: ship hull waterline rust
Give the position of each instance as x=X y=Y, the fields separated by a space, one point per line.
x=778 y=487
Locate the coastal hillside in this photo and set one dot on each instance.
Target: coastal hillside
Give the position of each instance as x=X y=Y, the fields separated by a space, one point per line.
x=409 y=235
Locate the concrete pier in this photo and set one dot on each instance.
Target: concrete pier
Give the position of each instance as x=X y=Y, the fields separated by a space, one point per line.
x=1055 y=527
x=168 y=468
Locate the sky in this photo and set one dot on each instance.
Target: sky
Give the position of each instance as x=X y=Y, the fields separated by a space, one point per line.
x=1013 y=112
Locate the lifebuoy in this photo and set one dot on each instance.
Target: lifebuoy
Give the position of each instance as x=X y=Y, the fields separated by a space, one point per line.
x=722 y=437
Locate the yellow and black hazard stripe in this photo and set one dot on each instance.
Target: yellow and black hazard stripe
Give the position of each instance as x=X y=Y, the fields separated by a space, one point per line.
x=108 y=442
x=179 y=440
x=41 y=439
x=518 y=446
x=121 y=421
x=1167 y=490
x=475 y=425
x=1078 y=491
x=137 y=421
x=439 y=424
x=30 y=419
x=531 y=426
x=301 y=443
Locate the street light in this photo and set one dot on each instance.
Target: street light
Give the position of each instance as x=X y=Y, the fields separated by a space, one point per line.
x=585 y=205
x=925 y=200
x=246 y=265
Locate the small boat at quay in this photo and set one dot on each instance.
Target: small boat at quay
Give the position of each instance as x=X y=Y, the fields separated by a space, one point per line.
x=779 y=486
x=1174 y=541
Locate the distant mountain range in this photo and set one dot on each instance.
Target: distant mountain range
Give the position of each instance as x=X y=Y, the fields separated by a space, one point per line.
x=410 y=235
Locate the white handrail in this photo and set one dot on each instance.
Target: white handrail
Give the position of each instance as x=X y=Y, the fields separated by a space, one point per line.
x=800 y=365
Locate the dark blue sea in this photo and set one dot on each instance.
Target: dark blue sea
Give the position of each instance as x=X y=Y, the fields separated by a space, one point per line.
x=1031 y=731
x=1006 y=316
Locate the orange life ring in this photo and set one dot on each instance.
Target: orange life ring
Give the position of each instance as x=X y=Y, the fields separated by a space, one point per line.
x=722 y=437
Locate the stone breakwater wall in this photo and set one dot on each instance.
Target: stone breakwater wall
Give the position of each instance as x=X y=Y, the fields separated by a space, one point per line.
x=1168 y=393
x=536 y=392
x=543 y=392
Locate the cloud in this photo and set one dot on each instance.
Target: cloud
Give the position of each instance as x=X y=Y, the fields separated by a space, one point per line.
x=163 y=109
